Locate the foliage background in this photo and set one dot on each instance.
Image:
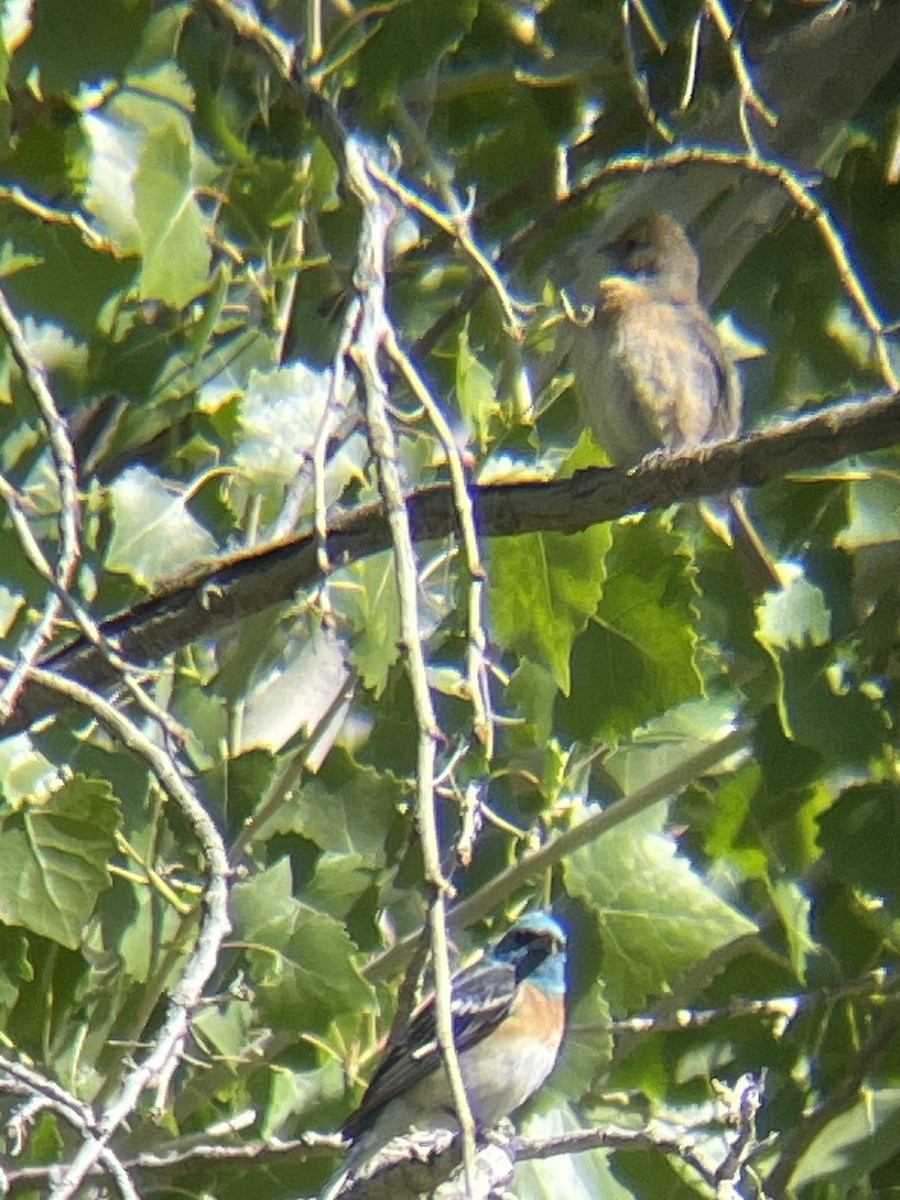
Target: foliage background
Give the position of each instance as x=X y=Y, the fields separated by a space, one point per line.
x=181 y=237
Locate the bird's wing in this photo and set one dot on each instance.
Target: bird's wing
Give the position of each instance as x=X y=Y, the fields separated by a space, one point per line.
x=677 y=369
x=481 y=997
x=726 y=418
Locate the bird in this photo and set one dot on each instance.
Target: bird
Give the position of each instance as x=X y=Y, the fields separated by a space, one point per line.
x=653 y=373
x=508 y=1014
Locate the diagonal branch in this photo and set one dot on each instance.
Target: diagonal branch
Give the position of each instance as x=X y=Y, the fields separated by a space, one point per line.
x=505 y=884
x=251 y=582
x=845 y=1093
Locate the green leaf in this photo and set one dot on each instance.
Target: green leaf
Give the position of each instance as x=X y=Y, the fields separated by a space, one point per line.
x=348 y=809
x=795 y=615
x=338 y=882
x=656 y=915
x=475 y=392
x=412 y=37
x=132 y=924
x=299 y=689
x=542 y=587
x=872 y=507
x=860 y=834
x=302 y=961
x=372 y=607
x=293 y=1093
x=46 y=1143
x=281 y=413
x=278 y=432
x=794 y=907
x=587 y=1047
x=174 y=243
x=118 y=133
x=819 y=708
x=58 y=277
x=576 y=1176
x=647 y=1173
x=853 y=1142
x=15 y=968
x=664 y=743
x=23 y=770
x=100 y=38
x=241 y=780
x=533 y=692
x=53 y=860
x=11 y=604
x=5 y=104
x=154 y=535
x=638 y=657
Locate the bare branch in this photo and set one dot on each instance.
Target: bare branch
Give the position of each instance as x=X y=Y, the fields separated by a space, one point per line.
x=489 y=897
x=46 y=1094
x=69 y=512
x=253 y=581
x=187 y=992
x=841 y=1097
x=779 y=1009
x=370 y=339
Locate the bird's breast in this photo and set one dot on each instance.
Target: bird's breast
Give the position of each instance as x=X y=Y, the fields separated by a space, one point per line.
x=509 y=1065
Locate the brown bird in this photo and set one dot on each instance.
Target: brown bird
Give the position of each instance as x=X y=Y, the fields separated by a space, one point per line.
x=652 y=370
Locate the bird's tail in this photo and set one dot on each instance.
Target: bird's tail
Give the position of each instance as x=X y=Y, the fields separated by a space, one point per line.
x=760 y=570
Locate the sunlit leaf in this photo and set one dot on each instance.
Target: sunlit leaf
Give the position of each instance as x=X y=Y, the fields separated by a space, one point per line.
x=173 y=235
x=54 y=857
x=542 y=589
x=154 y=535
x=656 y=916
x=302 y=960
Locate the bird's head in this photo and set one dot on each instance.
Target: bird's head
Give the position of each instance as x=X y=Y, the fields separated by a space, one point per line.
x=536 y=946
x=655 y=249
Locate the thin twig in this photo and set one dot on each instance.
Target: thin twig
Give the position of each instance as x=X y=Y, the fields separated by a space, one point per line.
x=457 y=225
x=187 y=991
x=369 y=282
x=46 y=1094
x=842 y=1096
x=800 y=193
x=245 y=25
x=296 y=244
x=333 y=407
x=653 y=1137
x=639 y=79
x=749 y=97
x=56 y=216
x=88 y=626
x=187 y=1153
x=477 y=641
x=290 y=771
x=455 y=221
x=781 y=1009
x=690 y=74
x=742 y=1103
x=248 y=25
x=532 y=864
x=69 y=520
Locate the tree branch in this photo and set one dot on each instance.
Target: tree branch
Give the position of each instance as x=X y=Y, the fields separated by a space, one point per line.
x=253 y=581
x=842 y=1096
x=185 y=992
